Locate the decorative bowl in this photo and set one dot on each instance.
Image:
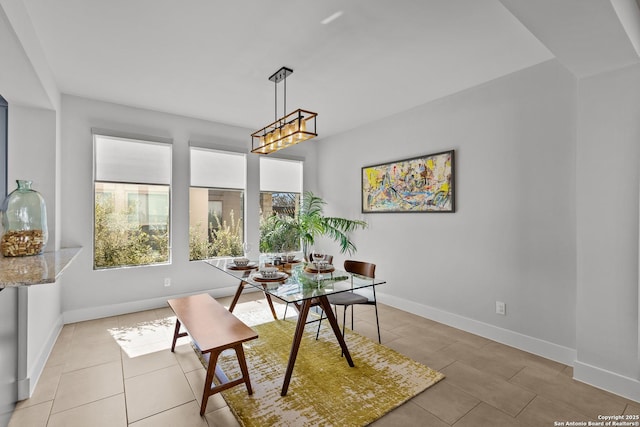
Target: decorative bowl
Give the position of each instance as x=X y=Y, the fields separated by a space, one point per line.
x=289 y=257
x=269 y=272
x=322 y=265
x=241 y=262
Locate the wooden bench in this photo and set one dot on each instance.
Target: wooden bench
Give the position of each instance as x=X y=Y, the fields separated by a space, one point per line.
x=212 y=329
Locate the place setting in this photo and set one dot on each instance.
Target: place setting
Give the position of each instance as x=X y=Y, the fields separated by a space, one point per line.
x=269 y=274
x=282 y=259
x=290 y=259
x=320 y=263
x=242 y=264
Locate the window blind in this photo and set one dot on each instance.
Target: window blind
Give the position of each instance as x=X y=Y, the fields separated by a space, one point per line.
x=280 y=175
x=131 y=161
x=217 y=169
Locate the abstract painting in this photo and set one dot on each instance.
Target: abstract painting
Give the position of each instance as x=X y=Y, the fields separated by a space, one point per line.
x=419 y=184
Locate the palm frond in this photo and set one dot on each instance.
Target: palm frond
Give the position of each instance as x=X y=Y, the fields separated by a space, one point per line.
x=311 y=223
x=337 y=229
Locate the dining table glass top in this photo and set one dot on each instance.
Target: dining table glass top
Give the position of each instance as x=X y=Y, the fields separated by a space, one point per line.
x=298 y=281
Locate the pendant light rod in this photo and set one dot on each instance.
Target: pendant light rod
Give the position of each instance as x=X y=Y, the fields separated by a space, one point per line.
x=276 y=78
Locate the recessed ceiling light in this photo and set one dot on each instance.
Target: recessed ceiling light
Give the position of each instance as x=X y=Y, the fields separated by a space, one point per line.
x=332 y=18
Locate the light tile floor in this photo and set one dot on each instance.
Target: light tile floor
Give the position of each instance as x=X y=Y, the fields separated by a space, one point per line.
x=118 y=371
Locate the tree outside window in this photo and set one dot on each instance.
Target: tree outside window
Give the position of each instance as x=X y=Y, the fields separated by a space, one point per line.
x=280 y=190
x=216 y=204
x=132 y=202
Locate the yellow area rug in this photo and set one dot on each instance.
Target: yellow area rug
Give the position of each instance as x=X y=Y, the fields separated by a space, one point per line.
x=324 y=390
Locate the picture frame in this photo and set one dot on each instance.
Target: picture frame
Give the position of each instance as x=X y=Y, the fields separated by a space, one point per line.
x=418 y=184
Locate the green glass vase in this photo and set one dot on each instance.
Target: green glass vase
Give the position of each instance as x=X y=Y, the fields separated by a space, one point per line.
x=24 y=221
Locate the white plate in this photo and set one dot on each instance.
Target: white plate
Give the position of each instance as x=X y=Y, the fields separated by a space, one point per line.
x=278 y=275
x=251 y=264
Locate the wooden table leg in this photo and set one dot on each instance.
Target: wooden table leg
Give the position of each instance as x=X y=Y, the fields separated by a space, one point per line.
x=268 y=298
x=297 y=338
x=328 y=311
x=236 y=297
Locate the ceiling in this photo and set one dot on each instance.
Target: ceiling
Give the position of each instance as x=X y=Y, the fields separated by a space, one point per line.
x=211 y=59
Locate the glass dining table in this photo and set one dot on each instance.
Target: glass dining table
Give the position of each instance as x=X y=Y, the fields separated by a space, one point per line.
x=302 y=285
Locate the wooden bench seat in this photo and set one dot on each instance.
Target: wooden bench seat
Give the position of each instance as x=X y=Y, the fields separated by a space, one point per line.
x=212 y=329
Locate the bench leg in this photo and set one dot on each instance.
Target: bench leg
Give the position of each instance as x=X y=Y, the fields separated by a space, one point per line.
x=214 y=371
x=176 y=335
x=211 y=370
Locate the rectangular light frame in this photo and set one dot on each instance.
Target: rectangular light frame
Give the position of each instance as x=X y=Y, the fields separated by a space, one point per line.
x=295 y=127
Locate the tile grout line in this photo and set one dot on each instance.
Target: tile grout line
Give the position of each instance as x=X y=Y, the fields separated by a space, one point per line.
x=124 y=388
x=535 y=396
x=466 y=413
x=62 y=372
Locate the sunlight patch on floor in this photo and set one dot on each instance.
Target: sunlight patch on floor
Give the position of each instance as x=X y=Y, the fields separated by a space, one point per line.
x=145 y=337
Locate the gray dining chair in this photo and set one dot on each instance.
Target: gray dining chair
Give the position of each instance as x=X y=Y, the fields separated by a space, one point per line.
x=352 y=298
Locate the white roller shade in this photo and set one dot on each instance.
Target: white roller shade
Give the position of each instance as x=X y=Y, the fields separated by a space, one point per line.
x=217 y=169
x=282 y=176
x=130 y=160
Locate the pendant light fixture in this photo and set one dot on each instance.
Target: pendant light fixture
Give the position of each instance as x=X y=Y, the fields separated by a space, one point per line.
x=288 y=130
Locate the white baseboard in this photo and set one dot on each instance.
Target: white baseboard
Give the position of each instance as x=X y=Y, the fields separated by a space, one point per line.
x=26 y=386
x=592 y=375
x=80 y=315
x=533 y=345
x=5 y=413
x=607 y=380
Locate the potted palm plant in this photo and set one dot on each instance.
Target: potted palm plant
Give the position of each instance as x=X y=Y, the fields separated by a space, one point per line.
x=287 y=233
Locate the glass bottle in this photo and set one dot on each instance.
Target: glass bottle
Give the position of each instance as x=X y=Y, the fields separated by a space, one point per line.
x=24 y=220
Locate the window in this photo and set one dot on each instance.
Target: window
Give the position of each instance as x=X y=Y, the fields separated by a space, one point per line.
x=280 y=190
x=132 y=181
x=216 y=204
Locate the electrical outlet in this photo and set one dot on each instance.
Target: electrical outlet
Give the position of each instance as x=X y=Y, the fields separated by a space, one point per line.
x=167 y=282
x=501 y=308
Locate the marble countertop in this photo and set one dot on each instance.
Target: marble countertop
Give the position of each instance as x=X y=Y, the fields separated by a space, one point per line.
x=36 y=269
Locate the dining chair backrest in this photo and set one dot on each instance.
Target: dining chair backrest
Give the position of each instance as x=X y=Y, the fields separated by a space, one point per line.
x=366 y=269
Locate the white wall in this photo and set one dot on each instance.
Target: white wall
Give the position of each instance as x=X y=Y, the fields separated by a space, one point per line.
x=90 y=294
x=548 y=195
x=32 y=137
x=512 y=237
x=608 y=170
x=32 y=140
